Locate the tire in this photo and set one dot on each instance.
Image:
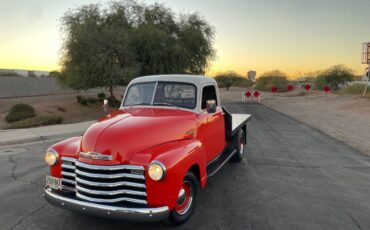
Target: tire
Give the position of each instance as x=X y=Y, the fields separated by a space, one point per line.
x=181 y=212
x=239 y=143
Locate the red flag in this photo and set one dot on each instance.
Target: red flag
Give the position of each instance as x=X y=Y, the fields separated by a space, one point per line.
x=248 y=94
x=256 y=94
x=274 y=89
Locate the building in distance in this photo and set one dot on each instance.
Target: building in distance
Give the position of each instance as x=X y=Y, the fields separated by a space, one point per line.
x=252 y=75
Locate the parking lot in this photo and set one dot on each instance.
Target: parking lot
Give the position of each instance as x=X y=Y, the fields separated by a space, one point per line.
x=293 y=177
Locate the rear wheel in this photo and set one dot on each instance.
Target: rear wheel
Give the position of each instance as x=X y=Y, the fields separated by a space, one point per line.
x=186 y=200
x=239 y=143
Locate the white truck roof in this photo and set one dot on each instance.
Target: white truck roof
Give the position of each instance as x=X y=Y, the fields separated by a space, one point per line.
x=197 y=80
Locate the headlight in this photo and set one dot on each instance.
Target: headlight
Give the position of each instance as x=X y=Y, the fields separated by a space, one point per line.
x=157 y=171
x=51 y=157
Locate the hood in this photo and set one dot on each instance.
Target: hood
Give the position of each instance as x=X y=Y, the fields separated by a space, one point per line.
x=124 y=133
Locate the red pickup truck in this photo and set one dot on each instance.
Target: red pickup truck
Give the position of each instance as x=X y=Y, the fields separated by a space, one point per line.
x=146 y=160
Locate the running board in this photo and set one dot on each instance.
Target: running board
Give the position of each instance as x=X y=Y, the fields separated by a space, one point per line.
x=216 y=164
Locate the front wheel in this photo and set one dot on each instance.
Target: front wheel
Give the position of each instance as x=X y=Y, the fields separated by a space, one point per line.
x=239 y=143
x=186 y=200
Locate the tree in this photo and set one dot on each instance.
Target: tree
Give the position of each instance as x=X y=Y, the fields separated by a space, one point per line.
x=55 y=74
x=231 y=78
x=337 y=76
x=272 y=78
x=105 y=47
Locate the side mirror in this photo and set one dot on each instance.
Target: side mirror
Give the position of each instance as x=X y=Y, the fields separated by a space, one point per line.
x=105 y=105
x=211 y=106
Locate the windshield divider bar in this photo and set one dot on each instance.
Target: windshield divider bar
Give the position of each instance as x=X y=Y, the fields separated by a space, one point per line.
x=155 y=91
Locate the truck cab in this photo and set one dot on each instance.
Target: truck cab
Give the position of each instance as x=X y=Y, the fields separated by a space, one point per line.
x=146 y=160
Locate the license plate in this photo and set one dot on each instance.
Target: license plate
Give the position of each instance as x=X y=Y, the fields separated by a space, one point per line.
x=54 y=182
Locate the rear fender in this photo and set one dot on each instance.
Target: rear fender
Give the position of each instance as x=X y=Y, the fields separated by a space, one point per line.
x=178 y=157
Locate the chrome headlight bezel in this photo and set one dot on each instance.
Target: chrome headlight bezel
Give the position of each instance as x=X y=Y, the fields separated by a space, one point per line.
x=157 y=171
x=51 y=157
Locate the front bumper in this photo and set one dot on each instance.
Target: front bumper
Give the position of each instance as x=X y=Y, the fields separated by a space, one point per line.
x=114 y=212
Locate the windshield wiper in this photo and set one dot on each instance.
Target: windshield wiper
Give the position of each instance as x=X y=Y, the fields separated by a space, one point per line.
x=144 y=103
x=163 y=103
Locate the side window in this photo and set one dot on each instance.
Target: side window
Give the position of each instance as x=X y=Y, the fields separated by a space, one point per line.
x=208 y=93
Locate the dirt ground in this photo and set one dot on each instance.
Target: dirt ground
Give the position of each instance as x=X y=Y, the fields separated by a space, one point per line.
x=344 y=117
x=64 y=105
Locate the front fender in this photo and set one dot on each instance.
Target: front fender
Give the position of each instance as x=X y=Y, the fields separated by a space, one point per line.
x=178 y=157
x=67 y=148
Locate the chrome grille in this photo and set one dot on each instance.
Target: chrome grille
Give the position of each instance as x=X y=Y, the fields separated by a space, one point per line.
x=68 y=173
x=105 y=184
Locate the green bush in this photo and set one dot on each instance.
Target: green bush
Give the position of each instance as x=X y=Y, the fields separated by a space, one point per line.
x=228 y=79
x=270 y=79
x=19 y=112
x=101 y=96
x=337 y=76
x=82 y=100
x=320 y=82
x=36 y=121
x=92 y=100
x=113 y=102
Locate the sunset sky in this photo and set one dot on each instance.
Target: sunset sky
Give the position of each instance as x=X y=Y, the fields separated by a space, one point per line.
x=295 y=36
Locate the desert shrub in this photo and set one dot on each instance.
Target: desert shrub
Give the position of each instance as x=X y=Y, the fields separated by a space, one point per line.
x=101 y=96
x=92 y=100
x=19 y=112
x=272 y=78
x=320 y=82
x=228 y=79
x=355 y=89
x=113 y=102
x=82 y=100
x=337 y=76
x=37 y=121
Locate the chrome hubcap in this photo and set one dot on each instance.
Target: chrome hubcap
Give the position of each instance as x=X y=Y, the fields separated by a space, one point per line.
x=241 y=147
x=185 y=198
x=182 y=196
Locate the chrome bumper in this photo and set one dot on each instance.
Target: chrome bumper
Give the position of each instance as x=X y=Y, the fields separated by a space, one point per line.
x=121 y=213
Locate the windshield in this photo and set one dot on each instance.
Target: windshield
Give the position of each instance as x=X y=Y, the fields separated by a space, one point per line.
x=166 y=94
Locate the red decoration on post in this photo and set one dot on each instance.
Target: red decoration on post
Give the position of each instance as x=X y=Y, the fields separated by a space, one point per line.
x=290 y=87
x=274 y=89
x=307 y=87
x=326 y=89
x=248 y=94
x=256 y=94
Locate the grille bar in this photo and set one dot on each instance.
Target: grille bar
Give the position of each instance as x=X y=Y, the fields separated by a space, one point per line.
x=108 y=168
x=70 y=167
x=110 y=193
x=69 y=159
x=69 y=181
x=109 y=176
x=110 y=185
x=68 y=174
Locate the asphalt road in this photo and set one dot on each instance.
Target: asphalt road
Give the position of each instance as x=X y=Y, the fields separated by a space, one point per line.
x=294 y=177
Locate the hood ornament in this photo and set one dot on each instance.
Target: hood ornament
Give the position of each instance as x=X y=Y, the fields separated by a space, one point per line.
x=95 y=156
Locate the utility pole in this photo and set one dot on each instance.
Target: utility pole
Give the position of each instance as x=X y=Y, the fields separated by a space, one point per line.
x=366 y=60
